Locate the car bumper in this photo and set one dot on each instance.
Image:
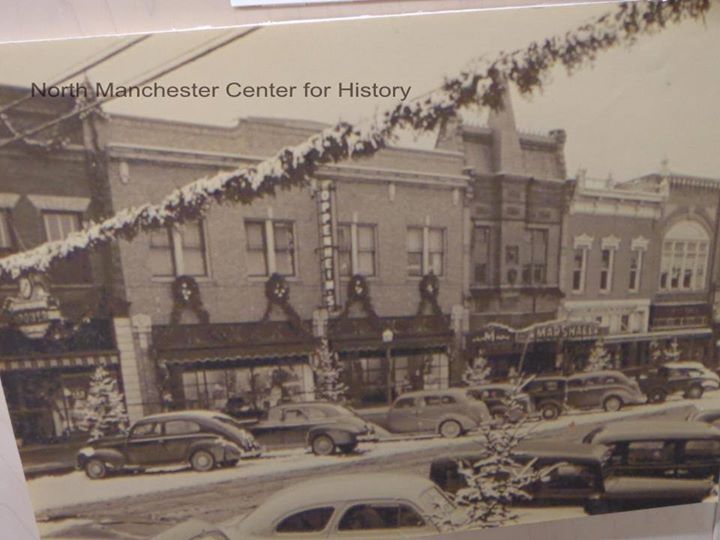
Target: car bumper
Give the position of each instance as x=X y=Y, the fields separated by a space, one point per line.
x=368 y=437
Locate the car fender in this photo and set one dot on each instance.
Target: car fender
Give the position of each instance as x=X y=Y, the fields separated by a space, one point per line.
x=466 y=422
x=338 y=434
x=214 y=446
x=113 y=459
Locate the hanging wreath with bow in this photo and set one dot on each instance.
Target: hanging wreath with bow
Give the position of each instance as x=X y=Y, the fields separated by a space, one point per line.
x=358 y=292
x=277 y=292
x=429 y=287
x=186 y=295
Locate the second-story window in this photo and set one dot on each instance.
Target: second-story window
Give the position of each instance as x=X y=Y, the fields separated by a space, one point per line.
x=7 y=239
x=270 y=247
x=636 y=260
x=356 y=249
x=76 y=267
x=609 y=245
x=179 y=251
x=606 y=264
x=481 y=255
x=535 y=272
x=425 y=251
x=578 y=269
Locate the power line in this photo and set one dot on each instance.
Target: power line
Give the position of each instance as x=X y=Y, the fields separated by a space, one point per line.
x=94 y=104
x=78 y=71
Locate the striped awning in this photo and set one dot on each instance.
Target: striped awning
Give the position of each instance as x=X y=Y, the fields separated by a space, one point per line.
x=59 y=361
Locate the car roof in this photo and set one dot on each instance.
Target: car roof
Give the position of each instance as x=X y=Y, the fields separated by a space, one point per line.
x=654 y=430
x=491 y=386
x=602 y=373
x=545 y=449
x=682 y=364
x=561 y=450
x=183 y=415
x=335 y=490
x=420 y=393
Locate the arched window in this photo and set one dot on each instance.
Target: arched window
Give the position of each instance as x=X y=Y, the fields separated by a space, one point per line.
x=684 y=257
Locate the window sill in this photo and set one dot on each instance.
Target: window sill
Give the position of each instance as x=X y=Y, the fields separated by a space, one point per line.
x=263 y=279
x=169 y=279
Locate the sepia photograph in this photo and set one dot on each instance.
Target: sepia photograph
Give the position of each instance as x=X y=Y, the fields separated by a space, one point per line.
x=364 y=279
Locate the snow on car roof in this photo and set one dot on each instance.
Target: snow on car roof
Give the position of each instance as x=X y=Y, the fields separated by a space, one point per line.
x=184 y=414
x=335 y=490
x=447 y=391
x=655 y=430
x=602 y=373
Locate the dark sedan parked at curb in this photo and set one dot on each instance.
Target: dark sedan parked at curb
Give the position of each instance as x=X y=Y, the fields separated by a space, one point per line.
x=202 y=439
x=578 y=474
x=667 y=449
x=323 y=426
x=502 y=400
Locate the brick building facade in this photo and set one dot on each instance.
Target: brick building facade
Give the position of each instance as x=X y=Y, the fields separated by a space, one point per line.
x=54 y=329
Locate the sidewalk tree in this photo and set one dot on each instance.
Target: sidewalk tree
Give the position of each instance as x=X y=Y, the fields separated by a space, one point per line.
x=600 y=358
x=672 y=352
x=103 y=411
x=478 y=371
x=496 y=480
x=328 y=372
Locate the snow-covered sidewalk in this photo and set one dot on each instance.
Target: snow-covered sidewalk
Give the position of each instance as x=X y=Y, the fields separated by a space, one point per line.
x=55 y=492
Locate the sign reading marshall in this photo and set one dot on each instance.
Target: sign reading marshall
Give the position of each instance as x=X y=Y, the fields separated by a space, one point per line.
x=495 y=333
x=557 y=330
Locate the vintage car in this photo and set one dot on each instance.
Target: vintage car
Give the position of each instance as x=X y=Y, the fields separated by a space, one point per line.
x=502 y=400
x=202 y=439
x=668 y=449
x=611 y=390
x=575 y=470
x=691 y=379
x=450 y=413
x=547 y=395
x=323 y=426
x=577 y=475
x=361 y=507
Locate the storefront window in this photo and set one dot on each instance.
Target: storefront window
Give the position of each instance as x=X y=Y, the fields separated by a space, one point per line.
x=251 y=388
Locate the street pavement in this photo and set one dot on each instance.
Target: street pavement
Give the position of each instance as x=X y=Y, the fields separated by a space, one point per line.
x=155 y=501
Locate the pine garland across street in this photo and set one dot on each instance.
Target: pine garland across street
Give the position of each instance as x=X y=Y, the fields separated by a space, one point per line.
x=481 y=85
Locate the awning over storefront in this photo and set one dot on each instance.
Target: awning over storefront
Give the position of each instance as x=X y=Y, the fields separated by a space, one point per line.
x=228 y=342
x=59 y=361
x=683 y=333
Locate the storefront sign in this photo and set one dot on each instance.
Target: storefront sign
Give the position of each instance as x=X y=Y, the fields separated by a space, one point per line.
x=494 y=333
x=327 y=250
x=560 y=330
x=33 y=310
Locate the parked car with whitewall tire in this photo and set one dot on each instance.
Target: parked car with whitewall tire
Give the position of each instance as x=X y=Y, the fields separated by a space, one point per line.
x=375 y=506
x=609 y=390
x=450 y=413
x=202 y=439
x=322 y=426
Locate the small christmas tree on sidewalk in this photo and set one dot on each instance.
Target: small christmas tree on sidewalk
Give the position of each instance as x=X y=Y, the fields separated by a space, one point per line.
x=477 y=372
x=496 y=480
x=103 y=412
x=328 y=374
x=672 y=352
x=599 y=359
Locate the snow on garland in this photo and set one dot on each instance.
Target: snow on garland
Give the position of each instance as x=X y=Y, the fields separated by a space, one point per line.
x=481 y=85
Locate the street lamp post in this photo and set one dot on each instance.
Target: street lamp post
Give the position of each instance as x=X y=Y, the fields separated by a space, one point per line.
x=387 y=337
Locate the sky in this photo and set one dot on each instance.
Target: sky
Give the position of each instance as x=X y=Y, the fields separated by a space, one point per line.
x=634 y=108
